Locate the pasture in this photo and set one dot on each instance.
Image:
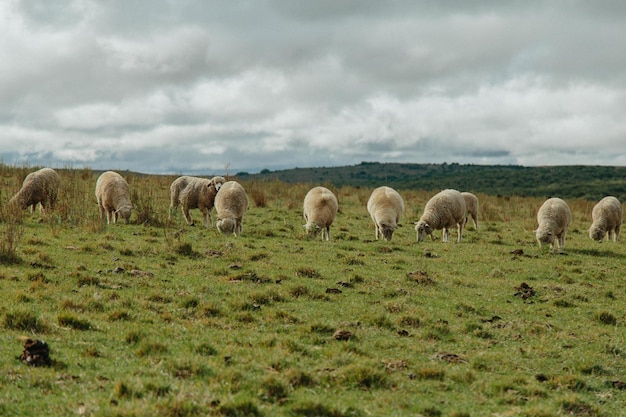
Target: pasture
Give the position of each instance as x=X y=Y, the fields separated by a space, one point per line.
x=159 y=318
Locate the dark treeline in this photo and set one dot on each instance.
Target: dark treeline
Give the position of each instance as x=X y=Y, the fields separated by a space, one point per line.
x=573 y=181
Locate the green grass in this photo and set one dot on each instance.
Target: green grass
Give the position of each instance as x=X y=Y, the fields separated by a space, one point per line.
x=159 y=318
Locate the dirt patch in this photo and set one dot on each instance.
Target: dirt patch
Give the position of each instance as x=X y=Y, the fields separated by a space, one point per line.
x=524 y=291
x=421 y=278
x=448 y=357
x=36 y=353
x=341 y=334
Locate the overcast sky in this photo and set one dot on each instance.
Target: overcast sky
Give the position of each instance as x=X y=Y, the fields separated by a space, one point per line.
x=198 y=86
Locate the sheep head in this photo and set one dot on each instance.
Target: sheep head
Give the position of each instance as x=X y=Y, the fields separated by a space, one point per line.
x=312 y=229
x=124 y=212
x=596 y=233
x=544 y=236
x=423 y=229
x=386 y=230
x=226 y=226
x=216 y=183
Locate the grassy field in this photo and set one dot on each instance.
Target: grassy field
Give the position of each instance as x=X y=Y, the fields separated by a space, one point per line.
x=159 y=318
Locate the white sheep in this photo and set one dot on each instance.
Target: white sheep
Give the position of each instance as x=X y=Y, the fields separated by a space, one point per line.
x=471 y=205
x=113 y=195
x=193 y=192
x=554 y=217
x=607 y=216
x=231 y=202
x=442 y=211
x=320 y=209
x=39 y=187
x=385 y=206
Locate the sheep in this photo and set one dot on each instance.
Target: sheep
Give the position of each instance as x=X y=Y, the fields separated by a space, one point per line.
x=194 y=192
x=607 y=217
x=231 y=202
x=471 y=205
x=38 y=187
x=385 y=206
x=442 y=211
x=320 y=209
x=113 y=195
x=554 y=217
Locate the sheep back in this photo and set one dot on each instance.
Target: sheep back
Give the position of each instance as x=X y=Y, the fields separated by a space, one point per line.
x=471 y=206
x=39 y=187
x=320 y=209
x=606 y=216
x=194 y=193
x=231 y=202
x=113 y=195
x=553 y=218
x=444 y=210
x=385 y=206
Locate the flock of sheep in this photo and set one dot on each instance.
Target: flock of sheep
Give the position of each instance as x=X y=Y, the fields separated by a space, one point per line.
x=443 y=211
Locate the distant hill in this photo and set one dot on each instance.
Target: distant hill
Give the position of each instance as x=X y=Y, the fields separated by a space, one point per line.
x=574 y=181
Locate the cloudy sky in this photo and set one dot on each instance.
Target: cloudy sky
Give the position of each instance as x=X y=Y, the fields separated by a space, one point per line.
x=207 y=86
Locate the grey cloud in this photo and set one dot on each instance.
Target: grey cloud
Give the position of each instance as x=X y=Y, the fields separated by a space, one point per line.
x=165 y=86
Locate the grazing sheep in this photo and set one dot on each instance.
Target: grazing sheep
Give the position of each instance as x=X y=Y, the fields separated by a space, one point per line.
x=231 y=202
x=471 y=205
x=38 y=187
x=385 y=206
x=607 y=217
x=553 y=217
x=320 y=210
x=442 y=211
x=113 y=196
x=194 y=192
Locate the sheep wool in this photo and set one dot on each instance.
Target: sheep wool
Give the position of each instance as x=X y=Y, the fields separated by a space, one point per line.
x=471 y=206
x=39 y=187
x=444 y=210
x=113 y=195
x=231 y=203
x=385 y=206
x=607 y=217
x=320 y=209
x=554 y=217
x=194 y=193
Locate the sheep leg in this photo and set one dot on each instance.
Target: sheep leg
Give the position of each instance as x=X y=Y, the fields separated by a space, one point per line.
x=459 y=231
x=446 y=234
x=187 y=216
x=205 y=216
x=616 y=235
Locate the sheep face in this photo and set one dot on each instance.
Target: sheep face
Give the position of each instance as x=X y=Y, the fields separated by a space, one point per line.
x=124 y=213
x=423 y=229
x=312 y=229
x=217 y=182
x=386 y=230
x=544 y=236
x=226 y=226
x=597 y=234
